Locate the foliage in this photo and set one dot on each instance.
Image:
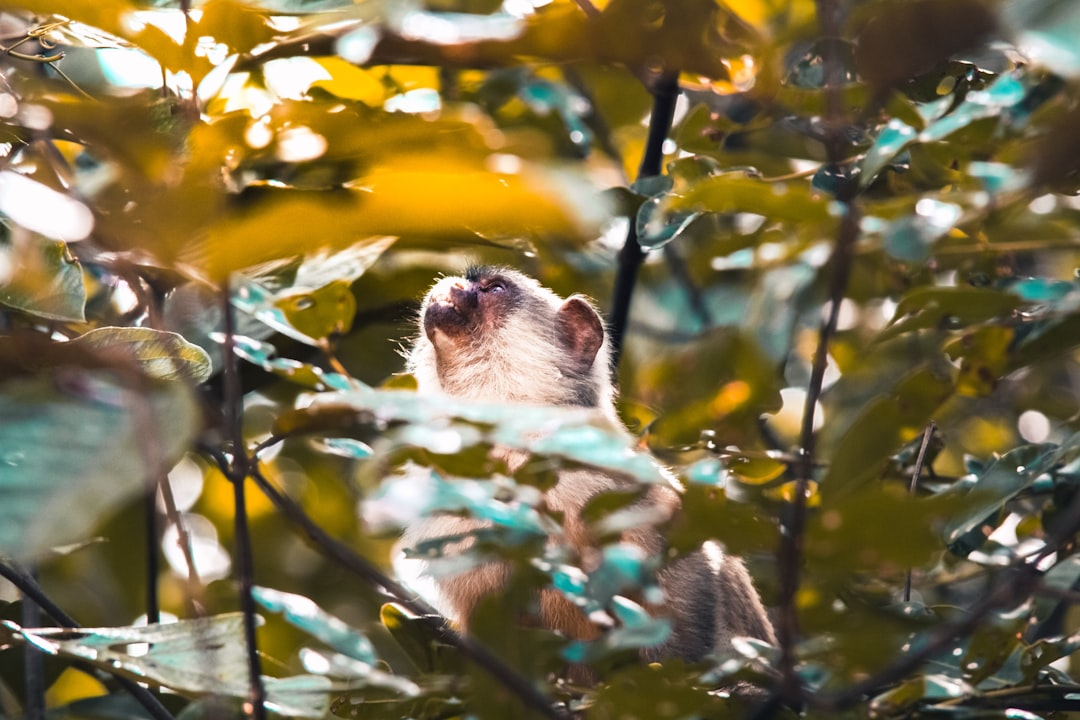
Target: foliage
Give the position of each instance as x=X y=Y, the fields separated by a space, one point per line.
x=277 y=181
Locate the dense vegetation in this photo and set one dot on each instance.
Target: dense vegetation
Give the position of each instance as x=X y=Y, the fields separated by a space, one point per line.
x=850 y=237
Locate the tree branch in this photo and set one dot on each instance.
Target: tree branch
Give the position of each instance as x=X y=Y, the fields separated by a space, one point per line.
x=631 y=256
x=237 y=472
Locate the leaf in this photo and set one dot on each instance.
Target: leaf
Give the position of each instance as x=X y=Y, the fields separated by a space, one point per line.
x=902 y=40
x=206 y=655
x=72 y=449
x=881 y=429
x=736 y=192
x=303 y=374
x=948 y=307
x=161 y=355
x=582 y=435
x=309 y=617
x=457 y=198
x=1045 y=31
x=47 y=281
x=1002 y=480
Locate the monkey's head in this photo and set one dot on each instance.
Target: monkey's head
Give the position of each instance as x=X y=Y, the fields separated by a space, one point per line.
x=498 y=335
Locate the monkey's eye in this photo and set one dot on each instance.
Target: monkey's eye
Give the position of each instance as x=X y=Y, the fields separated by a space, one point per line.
x=495 y=286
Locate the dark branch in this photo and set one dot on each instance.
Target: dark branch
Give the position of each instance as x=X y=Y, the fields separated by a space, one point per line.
x=631 y=256
x=237 y=473
x=790 y=552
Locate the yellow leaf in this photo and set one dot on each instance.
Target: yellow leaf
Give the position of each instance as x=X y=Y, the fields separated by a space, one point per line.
x=424 y=197
x=350 y=82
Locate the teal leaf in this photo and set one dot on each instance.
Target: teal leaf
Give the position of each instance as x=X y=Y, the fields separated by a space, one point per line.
x=892 y=139
x=1042 y=290
x=161 y=355
x=1045 y=31
x=911 y=238
x=657 y=226
x=356 y=672
x=303 y=613
x=47 y=283
x=205 y=655
x=419 y=492
x=638 y=629
x=1003 y=94
x=343 y=447
x=578 y=434
x=999 y=178
x=72 y=451
x=264 y=355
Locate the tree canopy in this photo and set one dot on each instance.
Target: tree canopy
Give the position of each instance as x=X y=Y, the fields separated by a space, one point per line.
x=836 y=242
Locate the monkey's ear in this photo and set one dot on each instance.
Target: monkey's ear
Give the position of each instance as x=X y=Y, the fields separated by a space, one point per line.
x=581 y=333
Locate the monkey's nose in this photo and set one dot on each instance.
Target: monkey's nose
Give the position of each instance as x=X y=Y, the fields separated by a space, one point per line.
x=463 y=295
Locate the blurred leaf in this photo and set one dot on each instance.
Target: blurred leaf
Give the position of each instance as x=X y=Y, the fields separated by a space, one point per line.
x=47 y=282
x=891 y=140
x=578 y=434
x=206 y=655
x=638 y=629
x=240 y=25
x=355 y=672
x=884 y=425
x=948 y=308
x=309 y=617
x=911 y=238
x=841 y=541
x=161 y=355
x=1046 y=31
x=722 y=380
x=984 y=355
x=902 y=40
x=322 y=313
x=408 y=198
x=736 y=192
x=309 y=376
x=73 y=447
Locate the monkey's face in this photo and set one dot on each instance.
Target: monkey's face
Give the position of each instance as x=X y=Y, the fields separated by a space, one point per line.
x=469 y=308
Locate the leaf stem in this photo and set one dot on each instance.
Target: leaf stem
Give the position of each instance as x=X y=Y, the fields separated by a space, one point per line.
x=927 y=434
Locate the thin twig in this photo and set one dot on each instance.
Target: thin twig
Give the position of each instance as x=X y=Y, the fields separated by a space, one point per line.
x=631 y=256
x=237 y=472
x=359 y=566
x=29 y=588
x=927 y=434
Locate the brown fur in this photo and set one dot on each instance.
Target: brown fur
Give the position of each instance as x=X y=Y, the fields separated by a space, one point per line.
x=496 y=335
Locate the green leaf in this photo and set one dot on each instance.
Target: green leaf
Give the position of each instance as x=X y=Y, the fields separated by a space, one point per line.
x=1002 y=480
x=73 y=449
x=206 y=655
x=161 y=355
x=736 y=192
x=881 y=429
x=948 y=307
x=48 y=283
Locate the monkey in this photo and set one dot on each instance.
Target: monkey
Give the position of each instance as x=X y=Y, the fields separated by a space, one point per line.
x=497 y=335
